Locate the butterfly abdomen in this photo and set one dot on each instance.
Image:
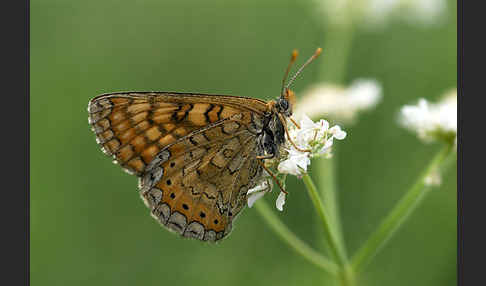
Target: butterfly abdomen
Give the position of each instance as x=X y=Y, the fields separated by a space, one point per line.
x=272 y=135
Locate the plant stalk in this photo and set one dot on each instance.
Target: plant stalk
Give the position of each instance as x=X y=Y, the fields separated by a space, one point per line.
x=398 y=214
x=293 y=241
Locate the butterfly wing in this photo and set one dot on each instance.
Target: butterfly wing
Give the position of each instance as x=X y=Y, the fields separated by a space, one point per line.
x=195 y=154
x=198 y=185
x=133 y=127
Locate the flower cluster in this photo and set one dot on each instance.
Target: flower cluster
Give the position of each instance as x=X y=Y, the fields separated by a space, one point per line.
x=341 y=103
x=311 y=139
x=423 y=12
x=376 y=13
x=432 y=121
x=314 y=137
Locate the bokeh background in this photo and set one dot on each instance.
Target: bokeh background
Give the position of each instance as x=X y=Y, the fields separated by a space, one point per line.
x=88 y=224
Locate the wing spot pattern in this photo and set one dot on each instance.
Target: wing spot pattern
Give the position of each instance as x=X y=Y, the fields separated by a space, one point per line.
x=130 y=115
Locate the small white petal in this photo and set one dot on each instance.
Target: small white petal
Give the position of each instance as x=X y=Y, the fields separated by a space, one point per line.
x=327 y=146
x=323 y=125
x=337 y=132
x=296 y=163
x=260 y=187
x=288 y=167
x=254 y=197
x=258 y=191
x=301 y=159
x=306 y=123
x=280 y=201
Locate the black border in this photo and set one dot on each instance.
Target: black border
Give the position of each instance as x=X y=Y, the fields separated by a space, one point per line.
x=471 y=196
x=15 y=211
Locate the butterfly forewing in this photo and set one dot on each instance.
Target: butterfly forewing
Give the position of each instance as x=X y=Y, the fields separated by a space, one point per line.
x=134 y=127
x=195 y=154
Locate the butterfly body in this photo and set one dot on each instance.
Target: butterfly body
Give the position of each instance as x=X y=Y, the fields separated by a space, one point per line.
x=196 y=155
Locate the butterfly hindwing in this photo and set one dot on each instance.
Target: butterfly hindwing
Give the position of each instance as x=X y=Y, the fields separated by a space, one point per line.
x=201 y=198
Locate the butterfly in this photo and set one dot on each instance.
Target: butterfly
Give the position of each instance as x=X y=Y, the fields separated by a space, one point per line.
x=196 y=155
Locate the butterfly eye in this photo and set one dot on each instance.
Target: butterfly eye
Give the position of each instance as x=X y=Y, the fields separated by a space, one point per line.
x=284 y=104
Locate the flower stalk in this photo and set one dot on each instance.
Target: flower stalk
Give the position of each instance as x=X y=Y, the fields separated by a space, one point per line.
x=399 y=213
x=336 y=246
x=327 y=183
x=293 y=241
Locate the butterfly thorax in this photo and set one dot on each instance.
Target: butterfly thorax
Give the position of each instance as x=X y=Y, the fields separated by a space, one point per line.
x=272 y=135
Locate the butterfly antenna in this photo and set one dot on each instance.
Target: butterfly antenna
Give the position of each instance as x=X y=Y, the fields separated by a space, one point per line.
x=313 y=57
x=293 y=57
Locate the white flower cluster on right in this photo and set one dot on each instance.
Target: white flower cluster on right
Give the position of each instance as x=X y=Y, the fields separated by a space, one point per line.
x=422 y=12
x=316 y=137
x=377 y=13
x=432 y=121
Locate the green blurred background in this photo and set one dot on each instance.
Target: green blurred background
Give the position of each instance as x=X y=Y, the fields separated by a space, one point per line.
x=88 y=224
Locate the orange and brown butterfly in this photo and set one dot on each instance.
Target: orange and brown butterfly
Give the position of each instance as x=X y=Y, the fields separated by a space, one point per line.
x=196 y=155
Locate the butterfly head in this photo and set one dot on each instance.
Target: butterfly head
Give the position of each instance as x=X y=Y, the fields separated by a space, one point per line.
x=285 y=103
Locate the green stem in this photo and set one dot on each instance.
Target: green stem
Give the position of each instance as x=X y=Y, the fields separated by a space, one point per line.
x=329 y=229
x=347 y=276
x=293 y=241
x=327 y=184
x=398 y=214
x=337 y=45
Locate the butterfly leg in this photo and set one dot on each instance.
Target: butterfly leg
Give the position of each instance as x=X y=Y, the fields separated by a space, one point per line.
x=273 y=176
x=269 y=156
x=295 y=123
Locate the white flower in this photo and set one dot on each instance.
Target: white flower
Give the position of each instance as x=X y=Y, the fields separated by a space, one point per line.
x=263 y=187
x=308 y=131
x=423 y=12
x=312 y=139
x=432 y=121
x=316 y=137
x=280 y=201
x=376 y=13
x=337 y=102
